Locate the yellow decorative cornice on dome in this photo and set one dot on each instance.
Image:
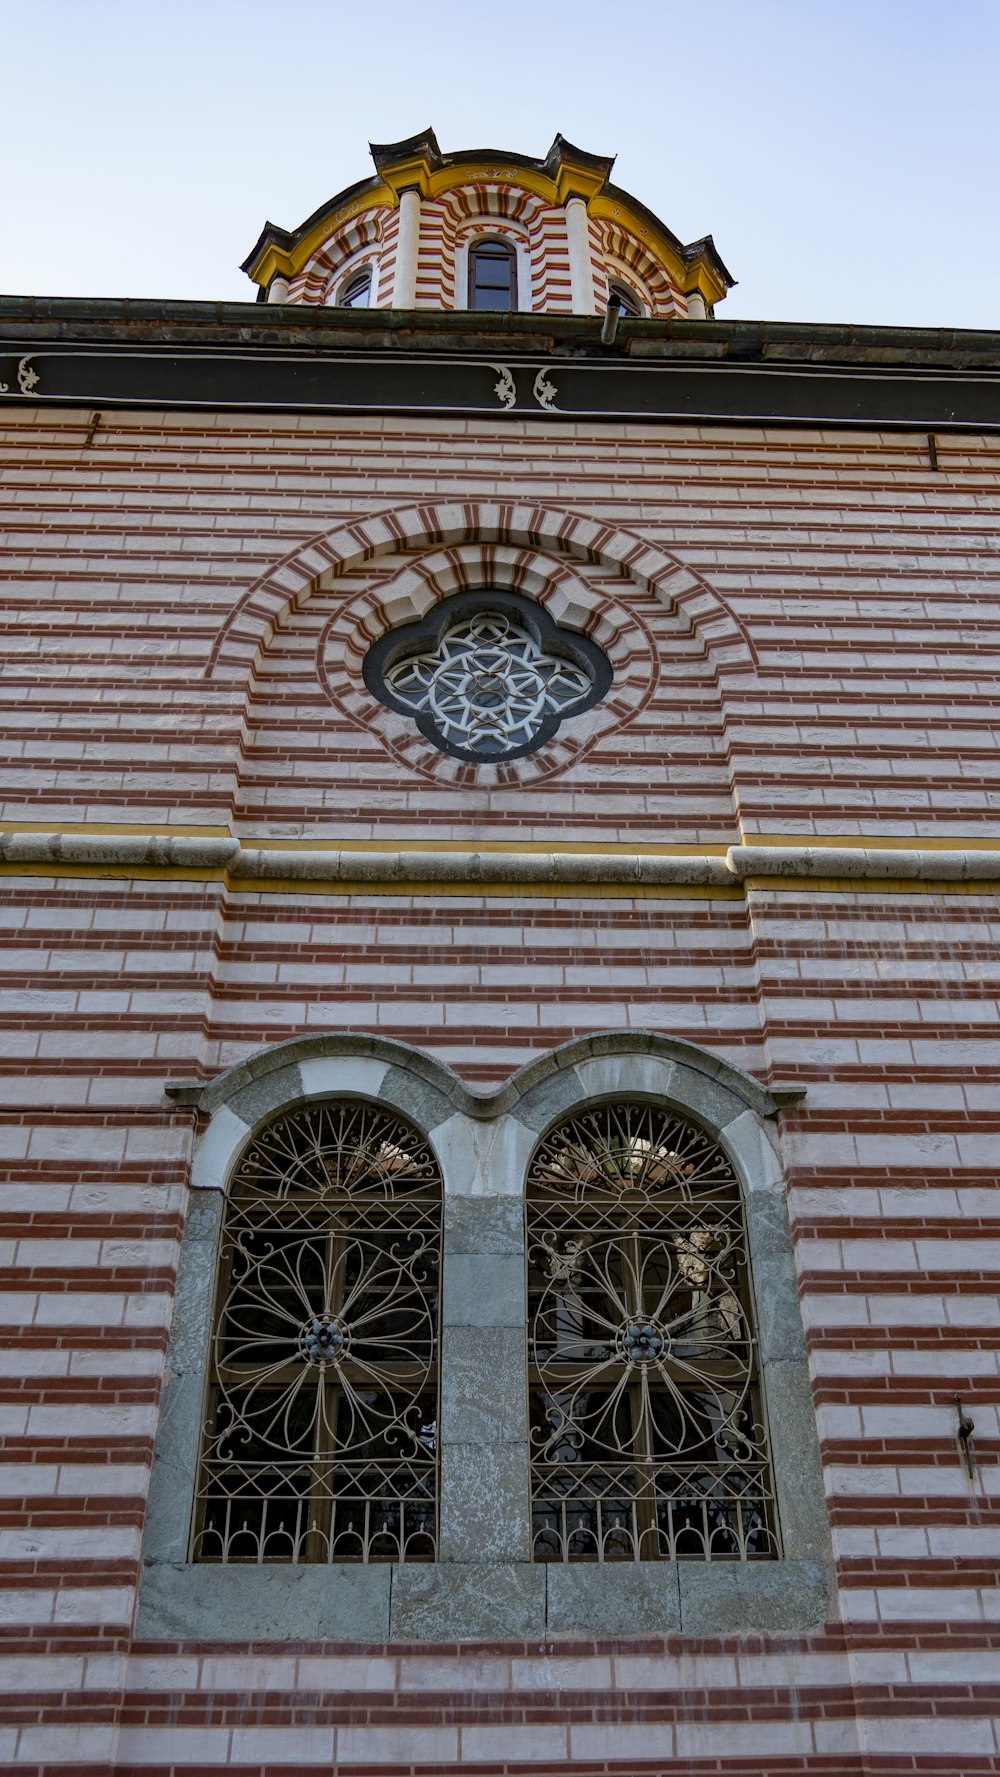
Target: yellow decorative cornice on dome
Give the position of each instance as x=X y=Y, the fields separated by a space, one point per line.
x=280 y=254
x=417 y=163
x=697 y=267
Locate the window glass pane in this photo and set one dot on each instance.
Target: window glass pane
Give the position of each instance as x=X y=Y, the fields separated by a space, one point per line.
x=492 y=280
x=630 y=304
x=485 y=298
x=493 y=269
x=358 y=293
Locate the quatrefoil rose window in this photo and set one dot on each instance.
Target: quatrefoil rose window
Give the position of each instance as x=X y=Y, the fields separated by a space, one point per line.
x=487 y=676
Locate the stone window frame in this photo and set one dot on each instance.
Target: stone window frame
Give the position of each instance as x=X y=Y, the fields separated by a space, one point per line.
x=484 y=1584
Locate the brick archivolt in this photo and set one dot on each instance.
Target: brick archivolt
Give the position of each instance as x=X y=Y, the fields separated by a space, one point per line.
x=238 y=651
x=449 y=225
x=621 y=255
x=364 y=240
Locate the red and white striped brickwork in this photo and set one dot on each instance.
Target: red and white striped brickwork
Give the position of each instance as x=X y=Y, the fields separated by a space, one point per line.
x=616 y=249
x=826 y=662
x=506 y=210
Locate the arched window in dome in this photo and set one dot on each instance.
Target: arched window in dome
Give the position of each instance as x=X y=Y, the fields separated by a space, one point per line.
x=628 y=301
x=647 y=1428
x=492 y=275
x=356 y=291
x=320 y=1434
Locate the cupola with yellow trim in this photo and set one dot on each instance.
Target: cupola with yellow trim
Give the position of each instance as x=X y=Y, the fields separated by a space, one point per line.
x=485 y=229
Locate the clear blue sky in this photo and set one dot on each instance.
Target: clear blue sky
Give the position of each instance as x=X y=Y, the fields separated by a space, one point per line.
x=843 y=155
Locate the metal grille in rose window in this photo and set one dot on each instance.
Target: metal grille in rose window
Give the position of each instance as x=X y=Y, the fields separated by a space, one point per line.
x=488 y=686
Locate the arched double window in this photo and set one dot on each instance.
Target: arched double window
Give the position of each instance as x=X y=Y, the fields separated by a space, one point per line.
x=320 y=1437
x=492 y=275
x=301 y=1428
x=647 y=1433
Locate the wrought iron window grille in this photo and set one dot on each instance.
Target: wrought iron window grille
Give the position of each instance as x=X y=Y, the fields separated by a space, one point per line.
x=487 y=676
x=320 y=1436
x=647 y=1432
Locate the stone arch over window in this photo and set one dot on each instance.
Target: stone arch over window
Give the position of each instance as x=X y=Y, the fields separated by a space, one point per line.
x=484 y=1583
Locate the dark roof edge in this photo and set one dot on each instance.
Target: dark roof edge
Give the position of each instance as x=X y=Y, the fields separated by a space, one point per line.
x=287 y=237
x=689 y=252
x=425 y=142
x=128 y=321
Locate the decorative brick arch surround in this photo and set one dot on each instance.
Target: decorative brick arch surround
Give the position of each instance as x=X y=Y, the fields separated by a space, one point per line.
x=484 y=1584
x=251 y=624
x=616 y=625
x=620 y=246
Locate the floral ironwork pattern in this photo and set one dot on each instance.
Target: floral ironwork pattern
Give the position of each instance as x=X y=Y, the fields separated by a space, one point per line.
x=646 y=1425
x=321 y=1431
x=489 y=688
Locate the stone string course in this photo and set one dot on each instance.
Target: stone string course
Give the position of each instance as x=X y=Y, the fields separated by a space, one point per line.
x=119 y=853
x=867 y=583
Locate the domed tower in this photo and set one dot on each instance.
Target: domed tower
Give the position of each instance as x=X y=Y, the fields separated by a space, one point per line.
x=484 y=229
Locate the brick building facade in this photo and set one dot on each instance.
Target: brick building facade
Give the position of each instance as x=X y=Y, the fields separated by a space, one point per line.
x=747 y=883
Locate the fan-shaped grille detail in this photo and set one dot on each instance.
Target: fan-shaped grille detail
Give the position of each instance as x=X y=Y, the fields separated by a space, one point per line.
x=320 y=1442
x=647 y=1433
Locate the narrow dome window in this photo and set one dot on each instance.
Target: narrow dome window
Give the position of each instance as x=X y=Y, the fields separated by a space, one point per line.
x=357 y=292
x=492 y=276
x=628 y=302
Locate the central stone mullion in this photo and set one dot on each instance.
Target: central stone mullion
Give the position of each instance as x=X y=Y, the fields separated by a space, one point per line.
x=485 y=1488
